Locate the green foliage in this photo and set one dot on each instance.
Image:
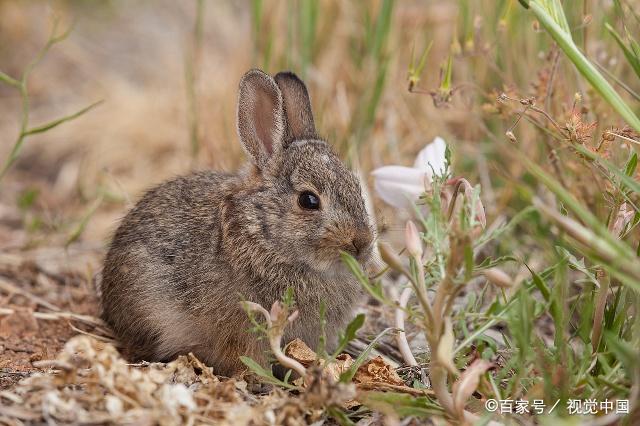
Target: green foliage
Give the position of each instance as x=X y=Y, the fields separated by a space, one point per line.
x=308 y=27
x=340 y=416
x=27 y=198
x=402 y=404
x=349 y=333
x=631 y=51
x=415 y=69
x=374 y=289
x=266 y=375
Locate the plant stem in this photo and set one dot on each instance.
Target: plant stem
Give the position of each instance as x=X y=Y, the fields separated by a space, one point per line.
x=401 y=337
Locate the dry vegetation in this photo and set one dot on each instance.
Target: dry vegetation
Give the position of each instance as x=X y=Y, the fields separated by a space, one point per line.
x=548 y=144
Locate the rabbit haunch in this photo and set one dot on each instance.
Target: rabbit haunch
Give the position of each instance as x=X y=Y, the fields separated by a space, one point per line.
x=193 y=247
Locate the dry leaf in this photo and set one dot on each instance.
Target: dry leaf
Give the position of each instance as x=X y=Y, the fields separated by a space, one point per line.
x=623 y=218
x=377 y=370
x=299 y=351
x=342 y=364
x=302 y=353
x=95 y=385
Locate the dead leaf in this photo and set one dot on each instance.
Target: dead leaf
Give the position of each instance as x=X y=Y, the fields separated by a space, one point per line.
x=623 y=218
x=377 y=371
x=331 y=371
x=342 y=364
x=299 y=351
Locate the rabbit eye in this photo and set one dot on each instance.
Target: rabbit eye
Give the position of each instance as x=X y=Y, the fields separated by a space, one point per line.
x=309 y=201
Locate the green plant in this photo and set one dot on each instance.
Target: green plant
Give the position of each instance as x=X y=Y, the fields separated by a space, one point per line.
x=21 y=84
x=551 y=16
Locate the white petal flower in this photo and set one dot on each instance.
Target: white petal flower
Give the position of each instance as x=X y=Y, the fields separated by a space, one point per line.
x=401 y=186
x=432 y=157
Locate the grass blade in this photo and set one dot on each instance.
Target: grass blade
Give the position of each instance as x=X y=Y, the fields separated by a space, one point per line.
x=374 y=290
x=579 y=210
x=633 y=60
x=624 y=178
x=265 y=374
x=77 y=232
x=543 y=12
x=350 y=333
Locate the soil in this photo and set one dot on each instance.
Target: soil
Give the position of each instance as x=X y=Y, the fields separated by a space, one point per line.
x=35 y=303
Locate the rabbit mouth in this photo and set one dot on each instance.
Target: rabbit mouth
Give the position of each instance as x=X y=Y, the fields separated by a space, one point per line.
x=358 y=244
x=331 y=258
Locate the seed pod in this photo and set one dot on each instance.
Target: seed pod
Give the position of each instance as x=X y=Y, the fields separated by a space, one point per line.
x=498 y=278
x=390 y=257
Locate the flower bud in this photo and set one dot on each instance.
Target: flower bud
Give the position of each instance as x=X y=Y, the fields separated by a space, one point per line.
x=390 y=257
x=498 y=278
x=444 y=354
x=412 y=240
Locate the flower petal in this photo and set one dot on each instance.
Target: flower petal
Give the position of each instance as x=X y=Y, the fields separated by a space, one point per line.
x=432 y=157
x=397 y=194
x=400 y=174
x=399 y=186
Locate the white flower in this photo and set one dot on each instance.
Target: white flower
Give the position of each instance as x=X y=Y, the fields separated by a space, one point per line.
x=401 y=186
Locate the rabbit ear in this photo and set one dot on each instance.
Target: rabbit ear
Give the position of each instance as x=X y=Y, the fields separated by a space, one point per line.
x=260 y=116
x=297 y=107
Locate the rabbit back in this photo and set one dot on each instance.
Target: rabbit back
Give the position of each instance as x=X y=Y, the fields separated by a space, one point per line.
x=166 y=286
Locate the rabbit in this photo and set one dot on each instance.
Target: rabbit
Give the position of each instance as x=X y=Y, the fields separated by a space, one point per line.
x=194 y=247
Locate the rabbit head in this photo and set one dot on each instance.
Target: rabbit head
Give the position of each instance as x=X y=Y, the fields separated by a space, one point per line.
x=299 y=201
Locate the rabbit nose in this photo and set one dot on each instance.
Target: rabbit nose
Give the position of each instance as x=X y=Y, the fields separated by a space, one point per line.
x=361 y=242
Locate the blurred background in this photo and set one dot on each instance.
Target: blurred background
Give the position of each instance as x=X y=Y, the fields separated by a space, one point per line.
x=167 y=75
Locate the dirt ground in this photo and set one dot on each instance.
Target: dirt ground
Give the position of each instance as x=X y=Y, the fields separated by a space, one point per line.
x=46 y=297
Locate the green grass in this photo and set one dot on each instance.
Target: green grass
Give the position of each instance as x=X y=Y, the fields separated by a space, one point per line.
x=569 y=324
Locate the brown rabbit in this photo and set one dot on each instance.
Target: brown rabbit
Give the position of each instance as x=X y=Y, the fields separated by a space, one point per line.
x=194 y=247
